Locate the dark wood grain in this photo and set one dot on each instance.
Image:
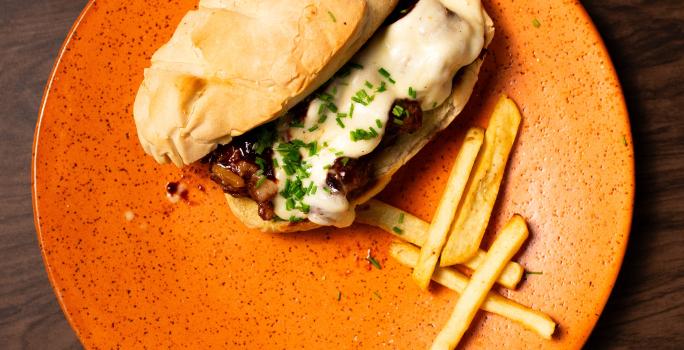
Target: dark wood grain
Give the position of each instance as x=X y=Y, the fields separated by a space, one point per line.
x=646 y=41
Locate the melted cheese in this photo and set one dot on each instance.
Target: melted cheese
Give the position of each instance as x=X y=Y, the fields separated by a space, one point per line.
x=421 y=52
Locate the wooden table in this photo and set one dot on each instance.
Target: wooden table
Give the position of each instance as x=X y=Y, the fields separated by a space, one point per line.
x=646 y=40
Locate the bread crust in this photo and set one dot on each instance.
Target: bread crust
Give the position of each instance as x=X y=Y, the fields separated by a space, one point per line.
x=233 y=65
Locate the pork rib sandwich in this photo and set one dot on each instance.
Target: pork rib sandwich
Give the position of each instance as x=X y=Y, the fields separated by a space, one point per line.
x=304 y=109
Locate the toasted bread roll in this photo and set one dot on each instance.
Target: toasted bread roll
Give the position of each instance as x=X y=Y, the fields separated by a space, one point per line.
x=232 y=65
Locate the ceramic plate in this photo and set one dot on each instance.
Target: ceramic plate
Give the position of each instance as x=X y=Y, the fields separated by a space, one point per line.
x=133 y=270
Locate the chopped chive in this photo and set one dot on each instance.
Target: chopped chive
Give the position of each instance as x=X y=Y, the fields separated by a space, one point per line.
x=327 y=190
x=373 y=132
x=624 y=140
x=534 y=273
x=289 y=204
x=378 y=123
x=332 y=16
x=340 y=123
x=412 y=92
x=401 y=218
x=387 y=75
x=398 y=121
x=313 y=128
x=339 y=295
x=372 y=260
x=345 y=160
x=377 y=295
x=325 y=96
x=536 y=23
x=296 y=124
x=294 y=219
x=368 y=84
x=261 y=163
x=339 y=153
x=275 y=162
x=382 y=87
x=358 y=100
x=398 y=110
x=260 y=181
x=326 y=167
x=355 y=65
x=325 y=144
x=351 y=111
x=397 y=230
x=341 y=115
x=310 y=188
x=313 y=190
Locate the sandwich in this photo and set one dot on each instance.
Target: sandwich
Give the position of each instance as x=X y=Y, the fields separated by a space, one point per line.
x=304 y=109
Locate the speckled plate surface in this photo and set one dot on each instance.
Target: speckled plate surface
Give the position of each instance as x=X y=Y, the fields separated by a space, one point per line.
x=132 y=270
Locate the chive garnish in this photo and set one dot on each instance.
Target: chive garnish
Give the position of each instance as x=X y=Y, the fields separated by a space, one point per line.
x=536 y=23
x=355 y=65
x=398 y=121
x=397 y=230
x=345 y=160
x=313 y=128
x=369 y=85
x=339 y=122
x=387 y=75
x=351 y=111
x=260 y=181
x=377 y=295
x=382 y=87
x=372 y=260
x=295 y=219
x=261 y=163
x=378 y=123
x=398 y=110
x=332 y=16
x=401 y=218
x=412 y=92
x=339 y=295
x=534 y=273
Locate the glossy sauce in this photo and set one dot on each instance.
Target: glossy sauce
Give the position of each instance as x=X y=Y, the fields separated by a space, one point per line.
x=413 y=58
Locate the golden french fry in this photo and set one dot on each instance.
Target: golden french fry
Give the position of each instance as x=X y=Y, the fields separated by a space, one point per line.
x=444 y=215
x=483 y=187
x=509 y=241
x=533 y=320
x=414 y=230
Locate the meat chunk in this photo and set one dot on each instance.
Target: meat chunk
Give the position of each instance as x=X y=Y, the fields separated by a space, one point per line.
x=348 y=175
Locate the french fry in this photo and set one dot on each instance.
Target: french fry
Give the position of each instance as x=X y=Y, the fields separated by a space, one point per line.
x=414 y=230
x=483 y=187
x=538 y=322
x=509 y=241
x=444 y=215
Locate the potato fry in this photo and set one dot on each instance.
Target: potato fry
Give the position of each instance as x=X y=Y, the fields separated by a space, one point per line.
x=533 y=320
x=509 y=241
x=414 y=230
x=446 y=210
x=483 y=187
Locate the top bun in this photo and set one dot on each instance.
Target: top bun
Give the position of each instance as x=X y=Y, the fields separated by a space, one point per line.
x=233 y=65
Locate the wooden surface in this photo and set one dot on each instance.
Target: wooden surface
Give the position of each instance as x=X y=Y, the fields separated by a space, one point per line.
x=646 y=41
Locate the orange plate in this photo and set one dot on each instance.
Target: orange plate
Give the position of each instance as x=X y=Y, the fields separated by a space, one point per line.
x=189 y=275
